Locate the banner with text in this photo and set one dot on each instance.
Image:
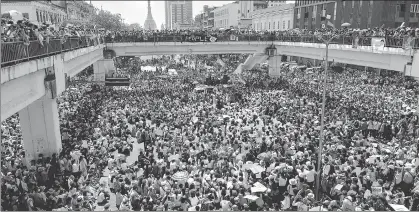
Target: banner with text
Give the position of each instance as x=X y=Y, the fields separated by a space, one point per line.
x=204 y=38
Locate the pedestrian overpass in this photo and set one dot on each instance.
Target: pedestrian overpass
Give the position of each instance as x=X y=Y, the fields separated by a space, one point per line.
x=30 y=88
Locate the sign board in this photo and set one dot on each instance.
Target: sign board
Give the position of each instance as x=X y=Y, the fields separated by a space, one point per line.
x=377 y=43
x=399 y=207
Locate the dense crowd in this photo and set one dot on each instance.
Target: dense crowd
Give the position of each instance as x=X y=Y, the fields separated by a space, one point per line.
x=25 y=31
x=163 y=144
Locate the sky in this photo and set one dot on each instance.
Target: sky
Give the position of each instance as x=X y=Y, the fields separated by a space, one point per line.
x=136 y=11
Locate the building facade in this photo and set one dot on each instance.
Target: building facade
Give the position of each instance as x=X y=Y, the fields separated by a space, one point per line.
x=37 y=12
x=80 y=11
x=273 y=18
x=227 y=16
x=312 y=14
x=246 y=7
x=178 y=13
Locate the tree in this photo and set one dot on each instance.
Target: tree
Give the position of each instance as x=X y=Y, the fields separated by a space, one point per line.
x=134 y=26
x=107 y=20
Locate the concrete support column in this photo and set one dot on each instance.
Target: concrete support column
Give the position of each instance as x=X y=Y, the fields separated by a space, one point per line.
x=40 y=128
x=274 y=66
x=103 y=67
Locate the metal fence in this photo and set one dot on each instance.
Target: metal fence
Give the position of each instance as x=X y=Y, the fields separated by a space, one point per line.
x=15 y=52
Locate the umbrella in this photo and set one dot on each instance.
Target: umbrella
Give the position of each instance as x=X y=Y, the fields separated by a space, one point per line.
x=346 y=24
x=256 y=168
x=180 y=176
x=195 y=82
x=258 y=187
x=251 y=197
x=262 y=155
x=15 y=15
x=173 y=157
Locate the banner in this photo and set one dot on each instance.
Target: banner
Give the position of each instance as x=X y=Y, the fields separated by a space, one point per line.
x=355 y=42
x=378 y=43
x=195 y=38
x=233 y=37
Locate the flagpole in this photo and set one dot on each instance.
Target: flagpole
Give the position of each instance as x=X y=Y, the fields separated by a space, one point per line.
x=320 y=153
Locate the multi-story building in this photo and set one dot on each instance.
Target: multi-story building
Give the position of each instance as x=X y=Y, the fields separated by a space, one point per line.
x=178 y=14
x=311 y=14
x=227 y=16
x=199 y=21
x=38 y=12
x=273 y=18
x=246 y=7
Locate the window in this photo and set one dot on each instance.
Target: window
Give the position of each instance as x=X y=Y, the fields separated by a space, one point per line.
x=414 y=8
x=353 y=4
x=289 y=24
x=278 y=25
x=37 y=16
x=314 y=12
x=283 y=24
x=269 y=25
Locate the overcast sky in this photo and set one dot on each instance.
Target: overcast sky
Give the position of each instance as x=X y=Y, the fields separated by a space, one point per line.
x=136 y=11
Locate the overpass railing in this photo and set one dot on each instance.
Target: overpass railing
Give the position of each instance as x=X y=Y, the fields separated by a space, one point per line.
x=393 y=42
x=16 y=52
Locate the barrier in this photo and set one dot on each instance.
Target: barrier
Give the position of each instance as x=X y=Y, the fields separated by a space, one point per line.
x=15 y=52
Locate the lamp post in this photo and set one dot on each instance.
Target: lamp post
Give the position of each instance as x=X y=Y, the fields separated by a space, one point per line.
x=319 y=156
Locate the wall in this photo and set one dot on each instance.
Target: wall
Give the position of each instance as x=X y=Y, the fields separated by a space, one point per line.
x=23 y=83
x=31 y=7
x=273 y=18
x=226 y=16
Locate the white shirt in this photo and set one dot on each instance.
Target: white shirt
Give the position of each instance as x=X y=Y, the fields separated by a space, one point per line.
x=310 y=176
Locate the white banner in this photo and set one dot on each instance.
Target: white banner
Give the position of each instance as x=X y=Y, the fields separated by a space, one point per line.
x=377 y=43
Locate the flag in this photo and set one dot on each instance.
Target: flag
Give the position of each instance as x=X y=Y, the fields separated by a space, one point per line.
x=330 y=24
x=402 y=25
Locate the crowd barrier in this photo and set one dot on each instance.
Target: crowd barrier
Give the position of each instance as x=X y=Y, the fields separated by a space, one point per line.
x=15 y=52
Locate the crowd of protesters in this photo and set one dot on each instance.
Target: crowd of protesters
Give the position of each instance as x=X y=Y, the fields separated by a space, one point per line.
x=165 y=144
x=25 y=31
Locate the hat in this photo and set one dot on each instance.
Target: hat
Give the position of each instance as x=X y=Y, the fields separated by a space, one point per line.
x=293 y=182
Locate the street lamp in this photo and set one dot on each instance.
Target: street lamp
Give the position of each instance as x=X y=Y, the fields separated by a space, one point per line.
x=319 y=157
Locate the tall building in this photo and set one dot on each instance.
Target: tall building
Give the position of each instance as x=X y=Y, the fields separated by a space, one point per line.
x=273 y=18
x=227 y=16
x=205 y=20
x=178 y=14
x=246 y=7
x=149 y=23
x=311 y=14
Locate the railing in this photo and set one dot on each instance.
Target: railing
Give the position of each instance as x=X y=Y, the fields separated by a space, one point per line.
x=15 y=52
x=393 y=42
